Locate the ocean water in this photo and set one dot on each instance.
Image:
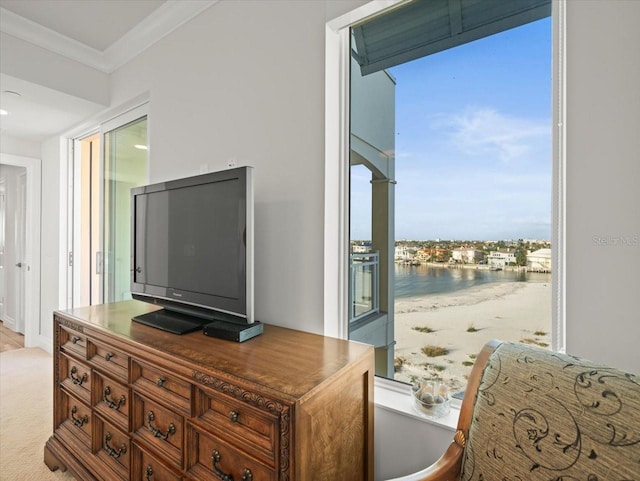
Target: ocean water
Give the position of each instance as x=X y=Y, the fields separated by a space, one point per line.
x=413 y=281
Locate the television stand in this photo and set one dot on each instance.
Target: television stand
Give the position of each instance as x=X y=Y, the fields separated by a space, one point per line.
x=134 y=403
x=171 y=321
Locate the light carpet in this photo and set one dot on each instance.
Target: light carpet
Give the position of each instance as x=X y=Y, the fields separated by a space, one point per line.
x=26 y=415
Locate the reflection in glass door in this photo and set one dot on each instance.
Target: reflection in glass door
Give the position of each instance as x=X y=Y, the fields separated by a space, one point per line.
x=106 y=167
x=125 y=167
x=87 y=263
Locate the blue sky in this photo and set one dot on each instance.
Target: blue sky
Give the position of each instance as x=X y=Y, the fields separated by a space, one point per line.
x=473 y=141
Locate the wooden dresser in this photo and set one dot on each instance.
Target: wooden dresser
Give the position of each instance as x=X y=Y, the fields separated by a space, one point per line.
x=135 y=403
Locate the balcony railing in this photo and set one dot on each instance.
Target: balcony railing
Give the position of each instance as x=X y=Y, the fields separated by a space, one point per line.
x=364 y=282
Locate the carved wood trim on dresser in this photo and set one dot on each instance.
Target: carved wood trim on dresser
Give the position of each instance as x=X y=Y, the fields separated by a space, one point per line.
x=133 y=402
x=261 y=402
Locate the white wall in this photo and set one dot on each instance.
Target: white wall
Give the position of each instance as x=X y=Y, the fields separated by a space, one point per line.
x=34 y=64
x=404 y=444
x=50 y=228
x=245 y=80
x=21 y=147
x=603 y=181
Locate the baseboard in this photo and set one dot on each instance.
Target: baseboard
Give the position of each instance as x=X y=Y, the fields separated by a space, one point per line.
x=44 y=343
x=9 y=322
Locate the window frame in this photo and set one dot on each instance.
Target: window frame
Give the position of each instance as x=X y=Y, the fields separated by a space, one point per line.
x=336 y=201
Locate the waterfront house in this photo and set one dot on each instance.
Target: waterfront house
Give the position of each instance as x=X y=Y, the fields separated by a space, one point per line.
x=467 y=255
x=403 y=253
x=539 y=261
x=501 y=258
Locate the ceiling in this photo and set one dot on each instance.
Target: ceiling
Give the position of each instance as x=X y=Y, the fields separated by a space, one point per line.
x=102 y=34
x=95 y=23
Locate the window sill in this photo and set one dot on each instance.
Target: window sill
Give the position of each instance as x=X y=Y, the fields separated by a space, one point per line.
x=397 y=398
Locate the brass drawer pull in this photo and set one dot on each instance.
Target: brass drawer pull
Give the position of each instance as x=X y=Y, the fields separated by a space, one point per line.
x=157 y=432
x=160 y=382
x=246 y=475
x=149 y=473
x=110 y=451
x=215 y=459
x=233 y=416
x=108 y=356
x=75 y=379
x=78 y=421
x=110 y=403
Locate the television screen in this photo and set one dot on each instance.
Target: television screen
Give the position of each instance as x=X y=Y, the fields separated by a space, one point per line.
x=192 y=246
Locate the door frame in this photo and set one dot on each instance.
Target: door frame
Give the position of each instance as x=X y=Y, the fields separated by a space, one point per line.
x=102 y=124
x=32 y=245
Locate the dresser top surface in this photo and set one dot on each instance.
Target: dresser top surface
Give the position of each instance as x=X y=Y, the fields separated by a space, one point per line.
x=295 y=361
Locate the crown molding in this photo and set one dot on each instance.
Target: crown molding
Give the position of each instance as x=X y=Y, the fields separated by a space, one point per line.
x=162 y=21
x=32 y=32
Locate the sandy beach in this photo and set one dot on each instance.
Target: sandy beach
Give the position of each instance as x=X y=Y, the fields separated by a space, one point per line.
x=461 y=322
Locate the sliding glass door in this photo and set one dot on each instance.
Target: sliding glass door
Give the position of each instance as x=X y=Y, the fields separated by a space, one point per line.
x=125 y=166
x=107 y=164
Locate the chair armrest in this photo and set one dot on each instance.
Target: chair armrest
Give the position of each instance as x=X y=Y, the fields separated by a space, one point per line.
x=449 y=466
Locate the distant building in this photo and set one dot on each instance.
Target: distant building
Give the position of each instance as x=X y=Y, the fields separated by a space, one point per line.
x=404 y=253
x=467 y=255
x=539 y=261
x=361 y=248
x=501 y=258
x=423 y=255
x=438 y=254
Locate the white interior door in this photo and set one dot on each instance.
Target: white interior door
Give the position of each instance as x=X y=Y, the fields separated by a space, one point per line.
x=22 y=246
x=21 y=251
x=13 y=203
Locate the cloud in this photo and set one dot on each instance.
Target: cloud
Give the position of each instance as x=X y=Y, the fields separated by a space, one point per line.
x=487 y=132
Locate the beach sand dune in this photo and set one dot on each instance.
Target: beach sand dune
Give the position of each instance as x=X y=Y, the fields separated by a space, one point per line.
x=462 y=322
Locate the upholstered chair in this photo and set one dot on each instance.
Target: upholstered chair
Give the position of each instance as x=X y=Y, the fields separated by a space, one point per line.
x=533 y=414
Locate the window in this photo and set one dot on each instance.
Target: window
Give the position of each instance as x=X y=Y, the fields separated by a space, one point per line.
x=338 y=42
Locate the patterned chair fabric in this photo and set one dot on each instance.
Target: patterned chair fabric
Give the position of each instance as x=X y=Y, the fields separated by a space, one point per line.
x=541 y=415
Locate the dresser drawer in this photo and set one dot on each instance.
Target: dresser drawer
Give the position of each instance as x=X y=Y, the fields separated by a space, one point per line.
x=73 y=341
x=212 y=459
x=146 y=467
x=159 y=428
x=113 y=448
x=256 y=431
x=75 y=377
x=77 y=419
x=157 y=384
x=109 y=360
x=112 y=400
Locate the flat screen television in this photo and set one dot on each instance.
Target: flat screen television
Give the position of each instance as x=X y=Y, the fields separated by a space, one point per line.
x=192 y=250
